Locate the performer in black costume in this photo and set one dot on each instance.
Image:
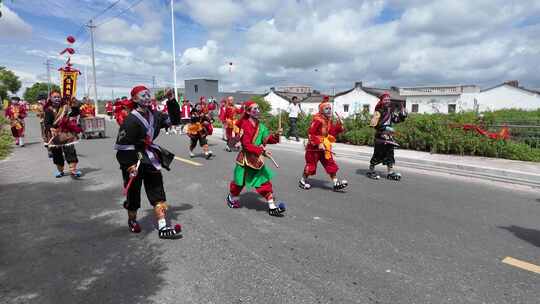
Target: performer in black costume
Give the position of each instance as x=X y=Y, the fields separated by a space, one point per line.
x=383 y=120
x=141 y=161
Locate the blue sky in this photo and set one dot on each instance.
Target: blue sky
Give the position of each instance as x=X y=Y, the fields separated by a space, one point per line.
x=278 y=42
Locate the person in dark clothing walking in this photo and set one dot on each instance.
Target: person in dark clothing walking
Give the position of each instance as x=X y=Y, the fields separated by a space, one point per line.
x=173 y=109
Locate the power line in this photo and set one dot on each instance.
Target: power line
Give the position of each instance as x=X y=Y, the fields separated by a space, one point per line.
x=121 y=13
x=106 y=9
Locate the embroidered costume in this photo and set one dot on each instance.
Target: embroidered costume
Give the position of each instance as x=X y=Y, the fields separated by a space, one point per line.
x=383 y=120
x=16 y=113
x=250 y=170
x=141 y=161
x=322 y=134
x=62 y=132
x=198 y=130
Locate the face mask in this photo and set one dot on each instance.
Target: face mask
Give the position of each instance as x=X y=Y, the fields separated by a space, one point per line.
x=255 y=112
x=144 y=99
x=327 y=111
x=56 y=100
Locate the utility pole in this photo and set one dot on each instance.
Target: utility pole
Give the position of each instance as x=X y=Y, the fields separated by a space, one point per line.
x=173 y=51
x=154 y=86
x=91 y=26
x=48 y=65
x=86 y=81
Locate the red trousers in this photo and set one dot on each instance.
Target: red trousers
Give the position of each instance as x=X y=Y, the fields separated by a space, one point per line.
x=313 y=157
x=265 y=190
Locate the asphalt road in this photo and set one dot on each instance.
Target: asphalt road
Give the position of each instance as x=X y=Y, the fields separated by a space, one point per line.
x=431 y=238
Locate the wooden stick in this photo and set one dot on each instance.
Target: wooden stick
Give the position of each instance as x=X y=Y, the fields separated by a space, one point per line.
x=279 y=119
x=273 y=160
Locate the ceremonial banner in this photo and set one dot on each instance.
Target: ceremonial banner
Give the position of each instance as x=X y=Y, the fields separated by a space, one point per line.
x=68 y=82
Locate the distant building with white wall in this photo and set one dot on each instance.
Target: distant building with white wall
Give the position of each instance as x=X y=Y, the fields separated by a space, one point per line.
x=362 y=99
x=296 y=89
x=440 y=99
x=508 y=95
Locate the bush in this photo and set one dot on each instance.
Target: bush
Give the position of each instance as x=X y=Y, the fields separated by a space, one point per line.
x=5 y=138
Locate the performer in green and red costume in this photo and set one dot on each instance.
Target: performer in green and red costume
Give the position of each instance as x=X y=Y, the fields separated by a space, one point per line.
x=250 y=170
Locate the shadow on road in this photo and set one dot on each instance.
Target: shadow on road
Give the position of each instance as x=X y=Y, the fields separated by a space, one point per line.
x=66 y=244
x=317 y=183
x=88 y=170
x=531 y=236
x=252 y=200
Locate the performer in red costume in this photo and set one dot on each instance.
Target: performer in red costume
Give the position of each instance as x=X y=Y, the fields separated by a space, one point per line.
x=16 y=113
x=185 y=114
x=109 y=109
x=250 y=169
x=230 y=123
x=321 y=135
x=122 y=109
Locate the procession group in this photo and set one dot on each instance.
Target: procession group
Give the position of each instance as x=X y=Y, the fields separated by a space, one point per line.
x=140 y=120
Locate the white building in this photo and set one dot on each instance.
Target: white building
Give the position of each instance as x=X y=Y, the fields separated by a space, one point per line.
x=451 y=99
x=296 y=89
x=362 y=99
x=440 y=99
x=508 y=96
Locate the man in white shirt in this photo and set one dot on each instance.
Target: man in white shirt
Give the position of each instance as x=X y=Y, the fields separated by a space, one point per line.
x=294 y=110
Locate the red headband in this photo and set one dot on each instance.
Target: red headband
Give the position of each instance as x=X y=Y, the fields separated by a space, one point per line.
x=136 y=90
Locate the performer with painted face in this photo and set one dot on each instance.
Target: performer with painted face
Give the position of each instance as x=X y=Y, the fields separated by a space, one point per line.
x=16 y=113
x=321 y=135
x=197 y=130
x=383 y=120
x=141 y=161
x=62 y=132
x=230 y=125
x=250 y=169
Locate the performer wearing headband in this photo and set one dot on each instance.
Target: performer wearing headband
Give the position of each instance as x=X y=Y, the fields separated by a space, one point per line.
x=62 y=131
x=383 y=120
x=250 y=169
x=16 y=113
x=231 y=128
x=197 y=130
x=141 y=161
x=321 y=135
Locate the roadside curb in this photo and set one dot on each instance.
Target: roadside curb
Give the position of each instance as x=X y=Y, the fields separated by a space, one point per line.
x=463 y=169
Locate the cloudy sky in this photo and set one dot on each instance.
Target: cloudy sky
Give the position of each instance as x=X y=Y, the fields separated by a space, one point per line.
x=326 y=44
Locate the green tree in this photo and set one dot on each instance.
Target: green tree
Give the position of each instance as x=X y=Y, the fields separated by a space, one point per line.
x=39 y=88
x=264 y=105
x=9 y=82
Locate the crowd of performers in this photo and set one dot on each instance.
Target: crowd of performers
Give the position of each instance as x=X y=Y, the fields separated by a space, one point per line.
x=140 y=120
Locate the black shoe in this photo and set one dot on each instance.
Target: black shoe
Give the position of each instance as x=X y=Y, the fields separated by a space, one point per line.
x=373 y=175
x=167 y=232
x=340 y=185
x=276 y=212
x=394 y=176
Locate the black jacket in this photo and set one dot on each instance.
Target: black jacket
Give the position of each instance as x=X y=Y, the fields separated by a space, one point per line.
x=174 y=111
x=133 y=132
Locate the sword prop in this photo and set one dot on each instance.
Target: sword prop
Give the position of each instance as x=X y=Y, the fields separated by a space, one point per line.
x=272 y=159
x=132 y=176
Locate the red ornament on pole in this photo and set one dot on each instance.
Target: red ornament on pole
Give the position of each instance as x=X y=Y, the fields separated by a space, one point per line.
x=70 y=39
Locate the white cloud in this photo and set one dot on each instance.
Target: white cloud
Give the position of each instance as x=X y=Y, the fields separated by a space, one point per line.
x=146 y=31
x=214 y=14
x=12 y=26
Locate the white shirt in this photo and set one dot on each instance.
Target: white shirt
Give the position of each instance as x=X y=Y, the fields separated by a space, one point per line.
x=294 y=110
